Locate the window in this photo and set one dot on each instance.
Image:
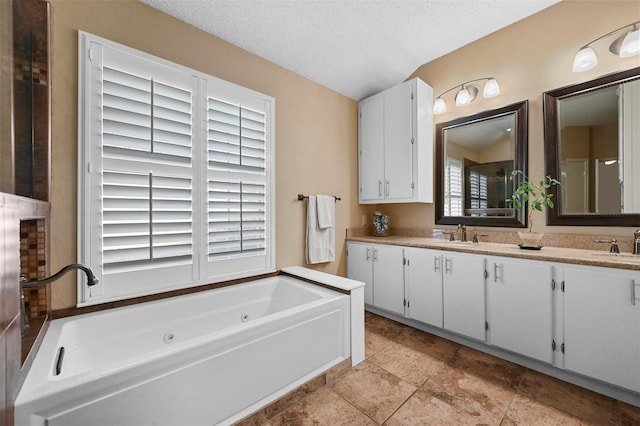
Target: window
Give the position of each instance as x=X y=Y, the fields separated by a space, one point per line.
x=176 y=183
x=478 y=183
x=453 y=188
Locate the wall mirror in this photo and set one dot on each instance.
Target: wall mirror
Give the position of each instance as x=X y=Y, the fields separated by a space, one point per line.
x=592 y=146
x=475 y=156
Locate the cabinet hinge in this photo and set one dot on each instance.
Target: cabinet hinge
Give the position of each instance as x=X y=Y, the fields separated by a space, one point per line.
x=408 y=303
x=412 y=96
x=412 y=141
x=486 y=325
x=404 y=261
x=553 y=345
x=562 y=348
x=553 y=287
x=413 y=185
x=404 y=302
x=562 y=286
x=486 y=274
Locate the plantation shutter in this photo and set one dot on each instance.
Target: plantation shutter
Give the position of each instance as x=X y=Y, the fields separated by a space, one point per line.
x=176 y=175
x=144 y=178
x=237 y=179
x=453 y=185
x=478 y=190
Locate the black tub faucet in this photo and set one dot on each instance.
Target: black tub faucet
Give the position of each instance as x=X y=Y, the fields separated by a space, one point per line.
x=24 y=284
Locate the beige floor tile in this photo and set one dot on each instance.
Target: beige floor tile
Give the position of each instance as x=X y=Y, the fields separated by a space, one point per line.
x=582 y=403
x=374 y=343
x=373 y=390
x=527 y=411
x=429 y=344
x=384 y=326
x=494 y=369
x=485 y=400
x=629 y=414
x=424 y=408
x=411 y=366
x=324 y=407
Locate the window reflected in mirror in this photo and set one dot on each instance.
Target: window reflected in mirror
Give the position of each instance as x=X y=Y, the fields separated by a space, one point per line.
x=591 y=144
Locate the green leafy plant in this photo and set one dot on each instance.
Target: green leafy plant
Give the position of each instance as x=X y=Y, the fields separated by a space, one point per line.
x=535 y=193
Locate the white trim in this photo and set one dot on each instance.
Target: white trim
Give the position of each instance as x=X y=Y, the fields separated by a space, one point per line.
x=197 y=271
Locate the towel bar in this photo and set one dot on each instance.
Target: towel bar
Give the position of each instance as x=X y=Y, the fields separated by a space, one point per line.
x=302 y=197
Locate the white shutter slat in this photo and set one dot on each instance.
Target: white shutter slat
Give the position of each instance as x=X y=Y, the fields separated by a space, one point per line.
x=142 y=120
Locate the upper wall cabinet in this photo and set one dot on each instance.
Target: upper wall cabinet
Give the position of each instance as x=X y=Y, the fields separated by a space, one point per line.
x=395 y=145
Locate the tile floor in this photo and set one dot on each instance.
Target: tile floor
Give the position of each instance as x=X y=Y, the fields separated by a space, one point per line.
x=413 y=378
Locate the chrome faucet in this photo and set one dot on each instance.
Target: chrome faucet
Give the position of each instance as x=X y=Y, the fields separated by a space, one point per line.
x=463 y=232
x=636 y=242
x=614 y=245
x=25 y=284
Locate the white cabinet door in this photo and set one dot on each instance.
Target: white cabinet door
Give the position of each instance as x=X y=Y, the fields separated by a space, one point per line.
x=371 y=146
x=388 y=278
x=423 y=282
x=395 y=144
x=463 y=294
x=519 y=299
x=602 y=325
x=398 y=149
x=360 y=267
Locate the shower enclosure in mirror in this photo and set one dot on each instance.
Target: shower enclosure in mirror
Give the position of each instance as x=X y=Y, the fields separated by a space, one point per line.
x=475 y=158
x=592 y=145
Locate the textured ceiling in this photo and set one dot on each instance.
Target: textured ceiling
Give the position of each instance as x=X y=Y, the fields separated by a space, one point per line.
x=356 y=48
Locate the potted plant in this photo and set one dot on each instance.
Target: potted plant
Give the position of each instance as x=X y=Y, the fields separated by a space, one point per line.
x=538 y=198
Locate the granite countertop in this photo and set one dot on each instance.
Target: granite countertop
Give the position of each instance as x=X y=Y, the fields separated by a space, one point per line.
x=553 y=254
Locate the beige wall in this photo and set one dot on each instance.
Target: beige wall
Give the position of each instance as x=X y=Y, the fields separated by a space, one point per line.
x=527 y=58
x=316 y=128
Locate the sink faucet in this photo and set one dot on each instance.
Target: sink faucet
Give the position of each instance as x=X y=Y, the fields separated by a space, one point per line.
x=25 y=284
x=463 y=232
x=636 y=242
x=614 y=245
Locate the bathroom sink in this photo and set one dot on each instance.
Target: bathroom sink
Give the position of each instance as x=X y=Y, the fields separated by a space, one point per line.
x=625 y=256
x=455 y=243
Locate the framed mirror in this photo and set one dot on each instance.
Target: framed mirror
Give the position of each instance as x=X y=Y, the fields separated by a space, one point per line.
x=592 y=146
x=475 y=156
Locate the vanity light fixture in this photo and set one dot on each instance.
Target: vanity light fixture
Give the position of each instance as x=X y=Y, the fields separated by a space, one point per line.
x=467 y=93
x=628 y=44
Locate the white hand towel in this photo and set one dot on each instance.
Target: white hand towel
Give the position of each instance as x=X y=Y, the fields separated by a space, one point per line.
x=320 y=242
x=326 y=206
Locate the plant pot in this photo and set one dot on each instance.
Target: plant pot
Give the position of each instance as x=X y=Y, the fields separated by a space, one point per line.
x=530 y=239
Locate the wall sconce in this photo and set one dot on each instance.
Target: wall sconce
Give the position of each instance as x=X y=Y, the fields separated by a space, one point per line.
x=628 y=44
x=467 y=93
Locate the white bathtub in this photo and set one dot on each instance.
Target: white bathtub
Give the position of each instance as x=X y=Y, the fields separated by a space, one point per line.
x=206 y=358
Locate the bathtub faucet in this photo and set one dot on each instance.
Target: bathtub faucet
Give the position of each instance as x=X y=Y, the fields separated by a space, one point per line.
x=24 y=284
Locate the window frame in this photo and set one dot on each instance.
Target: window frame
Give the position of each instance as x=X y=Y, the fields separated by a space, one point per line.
x=89 y=163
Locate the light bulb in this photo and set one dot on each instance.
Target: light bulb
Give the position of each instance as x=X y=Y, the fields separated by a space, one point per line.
x=585 y=60
x=439 y=106
x=463 y=97
x=631 y=44
x=491 y=88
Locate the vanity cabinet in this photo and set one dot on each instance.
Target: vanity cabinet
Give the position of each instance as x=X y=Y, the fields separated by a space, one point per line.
x=520 y=306
x=423 y=284
x=360 y=267
x=602 y=324
x=463 y=294
x=395 y=145
x=381 y=268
